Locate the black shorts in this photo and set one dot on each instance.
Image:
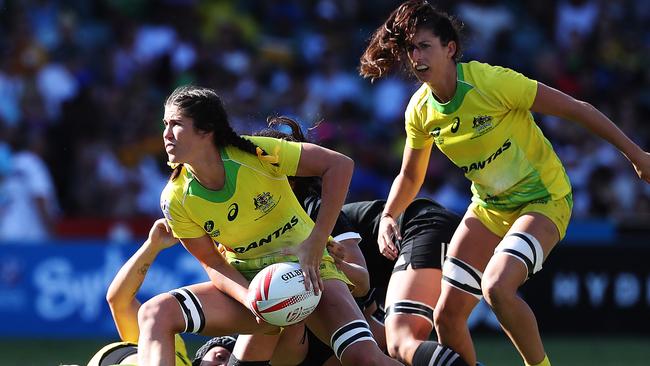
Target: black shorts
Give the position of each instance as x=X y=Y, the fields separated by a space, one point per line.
x=426 y=232
x=317 y=351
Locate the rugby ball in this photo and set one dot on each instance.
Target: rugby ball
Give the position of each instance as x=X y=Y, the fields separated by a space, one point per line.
x=277 y=295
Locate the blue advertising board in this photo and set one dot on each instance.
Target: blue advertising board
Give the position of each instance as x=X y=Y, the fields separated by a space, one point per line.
x=60 y=290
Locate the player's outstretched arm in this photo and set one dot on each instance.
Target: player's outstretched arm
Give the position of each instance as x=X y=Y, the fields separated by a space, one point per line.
x=552 y=101
x=126 y=283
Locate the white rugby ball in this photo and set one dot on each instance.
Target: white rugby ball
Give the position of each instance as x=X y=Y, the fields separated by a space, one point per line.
x=277 y=294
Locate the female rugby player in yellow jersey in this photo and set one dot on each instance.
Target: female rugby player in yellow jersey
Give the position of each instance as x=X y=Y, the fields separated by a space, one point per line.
x=407 y=284
x=124 y=305
x=480 y=117
x=233 y=190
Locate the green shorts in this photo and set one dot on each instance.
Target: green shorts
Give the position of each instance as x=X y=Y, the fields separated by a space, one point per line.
x=500 y=221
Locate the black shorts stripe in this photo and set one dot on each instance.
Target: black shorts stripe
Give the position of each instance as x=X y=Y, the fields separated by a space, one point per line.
x=463 y=286
x=199 y=310
x=362 y=334
x=188 y=314
x=466 y=267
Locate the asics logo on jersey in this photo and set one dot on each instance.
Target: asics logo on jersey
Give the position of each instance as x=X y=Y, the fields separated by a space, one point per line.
x=233 y=210
x=481 y=164
x=274 y=235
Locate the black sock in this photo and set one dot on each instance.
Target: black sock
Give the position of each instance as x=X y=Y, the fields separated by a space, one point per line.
x=440 y=354
x=233 y=361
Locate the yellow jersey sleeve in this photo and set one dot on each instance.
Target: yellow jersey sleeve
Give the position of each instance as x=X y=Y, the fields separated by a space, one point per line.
x=171 y=202
x=417 y=136
x=282 y=156
x=511 y=88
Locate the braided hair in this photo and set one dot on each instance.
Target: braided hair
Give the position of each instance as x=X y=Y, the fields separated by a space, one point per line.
x=205 y=108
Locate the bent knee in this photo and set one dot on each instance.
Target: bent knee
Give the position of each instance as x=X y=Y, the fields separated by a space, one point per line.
x=497 y=292
x=159 y=312
x=448 y=317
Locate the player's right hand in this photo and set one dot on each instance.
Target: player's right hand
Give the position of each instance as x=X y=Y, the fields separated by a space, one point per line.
x=388 y=234
x=161 y=234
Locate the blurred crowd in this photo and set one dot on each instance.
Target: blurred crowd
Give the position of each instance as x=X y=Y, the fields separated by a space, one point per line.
x=82 y=85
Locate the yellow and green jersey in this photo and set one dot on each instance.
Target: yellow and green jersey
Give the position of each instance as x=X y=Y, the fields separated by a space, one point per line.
x=488 y=131
x=254 y=215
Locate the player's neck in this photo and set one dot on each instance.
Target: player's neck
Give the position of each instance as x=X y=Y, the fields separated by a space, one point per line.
x=444 y=88
x=208 y=169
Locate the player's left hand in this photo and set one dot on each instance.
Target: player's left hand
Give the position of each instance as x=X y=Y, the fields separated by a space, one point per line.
x=309 y=255
x=336 y=250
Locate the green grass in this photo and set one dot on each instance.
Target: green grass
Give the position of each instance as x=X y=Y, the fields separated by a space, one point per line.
x=493 y=350
x=496 y=350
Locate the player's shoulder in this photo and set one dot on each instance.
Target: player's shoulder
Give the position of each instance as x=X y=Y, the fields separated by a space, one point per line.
x=480 y=73
x=175 y=188
x=417 y=103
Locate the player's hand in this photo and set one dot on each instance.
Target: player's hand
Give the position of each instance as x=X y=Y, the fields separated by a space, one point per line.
x=388 y=234
x=336 y=250
x=160 y=235
x=642 y=166
x=309 y=255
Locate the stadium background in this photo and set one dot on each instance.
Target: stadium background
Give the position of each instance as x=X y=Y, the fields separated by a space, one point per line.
x=82 y=165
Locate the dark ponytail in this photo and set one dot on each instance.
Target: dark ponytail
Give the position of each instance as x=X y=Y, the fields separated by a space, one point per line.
x=206 y=109
x=303 y=187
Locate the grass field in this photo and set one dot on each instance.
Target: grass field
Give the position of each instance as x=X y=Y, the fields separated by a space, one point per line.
x=493 y=350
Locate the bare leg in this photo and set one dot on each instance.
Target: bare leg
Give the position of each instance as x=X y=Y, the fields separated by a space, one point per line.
x=503 y=276
x=161 y=317
x=405 y=332
x=474 y=244
x=337 y=308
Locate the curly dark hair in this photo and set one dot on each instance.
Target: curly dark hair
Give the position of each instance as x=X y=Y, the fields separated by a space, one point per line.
x=389 y=43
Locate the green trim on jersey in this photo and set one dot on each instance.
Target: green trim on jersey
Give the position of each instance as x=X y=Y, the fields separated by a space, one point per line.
x=462 y=88
x=231 y=168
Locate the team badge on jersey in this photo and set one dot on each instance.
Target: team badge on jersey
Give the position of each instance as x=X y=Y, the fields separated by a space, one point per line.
x=435 y=133
x=264 y=202
x=208 y=226
x=482 y=124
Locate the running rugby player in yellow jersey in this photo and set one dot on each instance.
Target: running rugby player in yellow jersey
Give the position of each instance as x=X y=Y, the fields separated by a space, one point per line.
x=233 y=190
x=487 y=130
x=479 y=116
